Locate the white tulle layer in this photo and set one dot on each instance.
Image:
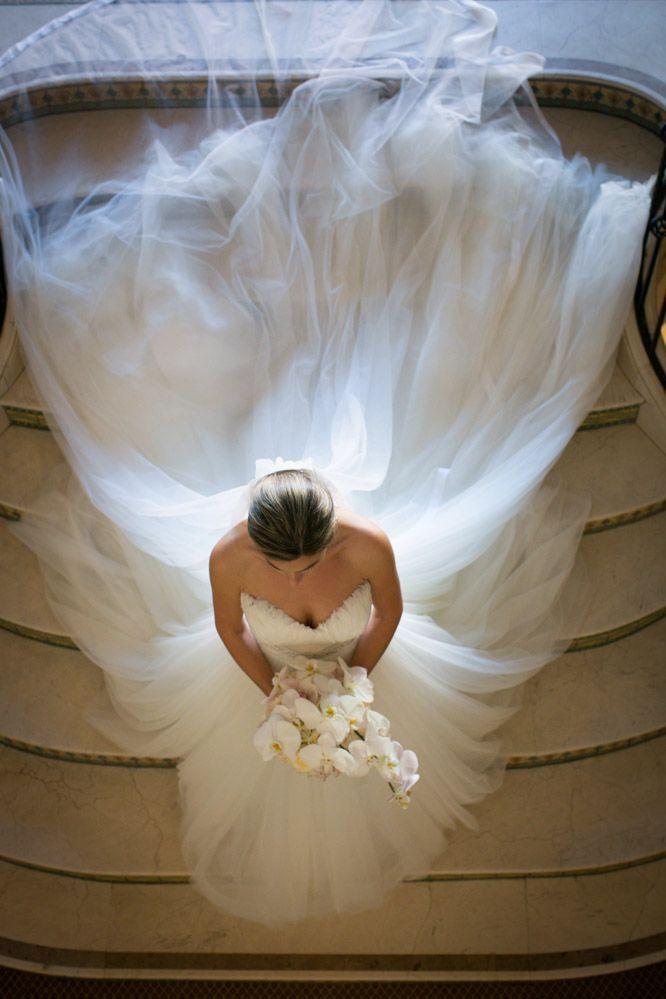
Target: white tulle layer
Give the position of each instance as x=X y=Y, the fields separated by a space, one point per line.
x=424 y=304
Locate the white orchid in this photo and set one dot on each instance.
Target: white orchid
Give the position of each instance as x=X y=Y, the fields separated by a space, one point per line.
x=325 y=754
x=334 y=717
x=320 y=723
x=357 y=682
x=377 y=724
x=408 y=777
x=277 y=737
x=309 y=666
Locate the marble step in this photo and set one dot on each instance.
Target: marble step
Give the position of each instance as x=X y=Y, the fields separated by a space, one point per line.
x=625 y=567
x=622 y=469
x=618 y=403
x=618 y=690
x=626 y=571
x=528 y=926
x=593 y=698
x=125 y=821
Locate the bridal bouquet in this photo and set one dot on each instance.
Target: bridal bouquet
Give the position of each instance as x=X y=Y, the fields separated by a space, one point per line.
x=317 y=719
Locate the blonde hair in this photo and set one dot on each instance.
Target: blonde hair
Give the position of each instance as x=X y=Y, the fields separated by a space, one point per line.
x=291 y=513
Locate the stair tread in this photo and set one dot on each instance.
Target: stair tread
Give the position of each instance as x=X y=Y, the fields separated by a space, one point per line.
x=621 y=467
x=127 y=923
x=618 y=689
x=618 y=392
x=126 y=820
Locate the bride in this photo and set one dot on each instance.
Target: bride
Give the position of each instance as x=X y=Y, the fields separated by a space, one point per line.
x=358 y=243
x=306 y=557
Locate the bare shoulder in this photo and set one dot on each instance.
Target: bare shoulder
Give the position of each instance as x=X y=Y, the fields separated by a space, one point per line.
x=371 y=551
x=367 y=537
x=230 y=543
x=227 y=566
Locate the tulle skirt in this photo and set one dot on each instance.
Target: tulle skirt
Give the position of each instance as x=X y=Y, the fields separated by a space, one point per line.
x=424 y=303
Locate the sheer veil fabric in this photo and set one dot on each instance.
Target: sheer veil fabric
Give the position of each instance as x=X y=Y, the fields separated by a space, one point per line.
x=405 y=285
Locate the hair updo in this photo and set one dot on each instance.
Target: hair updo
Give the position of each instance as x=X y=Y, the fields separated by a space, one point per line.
x=291 y=513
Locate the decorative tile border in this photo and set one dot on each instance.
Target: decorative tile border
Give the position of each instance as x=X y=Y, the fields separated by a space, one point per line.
x=47 y=637
x=600 y=638
x=9 y=512
x=626 y=517
x=583 y=753
x=550 y=90
x=517 y=762
x=25 y=416
x=612 y=416
x=88 y=758
x=592 y=641
x=586 y=93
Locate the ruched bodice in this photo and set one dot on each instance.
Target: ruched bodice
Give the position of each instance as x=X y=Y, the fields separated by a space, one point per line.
x=281 y=636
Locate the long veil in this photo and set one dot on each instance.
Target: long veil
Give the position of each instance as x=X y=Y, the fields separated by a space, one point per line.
x=340 y=233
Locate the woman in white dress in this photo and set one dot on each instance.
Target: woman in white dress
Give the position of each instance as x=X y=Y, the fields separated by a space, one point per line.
x=397 y=280
x=303 y=556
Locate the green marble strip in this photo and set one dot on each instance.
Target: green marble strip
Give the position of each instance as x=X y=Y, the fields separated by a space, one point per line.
x=596 y=419
x=580 y=644
x=600 y=638
x=584 y=752
x=47 y=638
x=180 y=879
x=9 y=512
x=569 y=872
x=518 y=762
x=89 y=758
x=611 y=416
x=626 y=517
x=25 y=416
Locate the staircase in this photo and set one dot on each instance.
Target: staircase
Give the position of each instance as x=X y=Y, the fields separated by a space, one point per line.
x=570 y=860
x=567 y=874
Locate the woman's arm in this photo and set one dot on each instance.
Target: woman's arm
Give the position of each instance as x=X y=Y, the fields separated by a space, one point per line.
x=380 y=569
x=230 y=623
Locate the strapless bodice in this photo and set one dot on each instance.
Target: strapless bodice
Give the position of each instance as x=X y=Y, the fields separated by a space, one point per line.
x=280 y=636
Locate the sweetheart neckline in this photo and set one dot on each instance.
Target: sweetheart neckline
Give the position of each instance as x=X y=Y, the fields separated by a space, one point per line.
x=300 y=624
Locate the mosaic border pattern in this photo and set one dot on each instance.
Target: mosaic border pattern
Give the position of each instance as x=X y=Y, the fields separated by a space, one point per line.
x=583 y=642
x=517 y=762
x=117 y=93
x=594 y=526
x=596 y=419
x=600 y=638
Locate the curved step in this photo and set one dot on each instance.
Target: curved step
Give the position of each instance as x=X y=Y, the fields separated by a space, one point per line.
x=622 y=469
x=619 y=691
x=618 y=403
x=426 y=928
x=594 y=697
x=626 y=570
x=626 y=567
x=122 y=821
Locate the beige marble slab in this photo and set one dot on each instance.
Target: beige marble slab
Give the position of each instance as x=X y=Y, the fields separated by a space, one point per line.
x=124 y=820
x=593 y=697
x=624 y=573
x=576 y=814
x=620 y=467
x=85 y=817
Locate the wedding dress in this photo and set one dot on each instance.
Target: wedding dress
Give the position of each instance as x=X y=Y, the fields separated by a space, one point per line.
x=408 y=287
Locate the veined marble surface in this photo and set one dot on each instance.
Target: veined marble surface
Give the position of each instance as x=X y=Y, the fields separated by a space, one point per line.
x=596 y=36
